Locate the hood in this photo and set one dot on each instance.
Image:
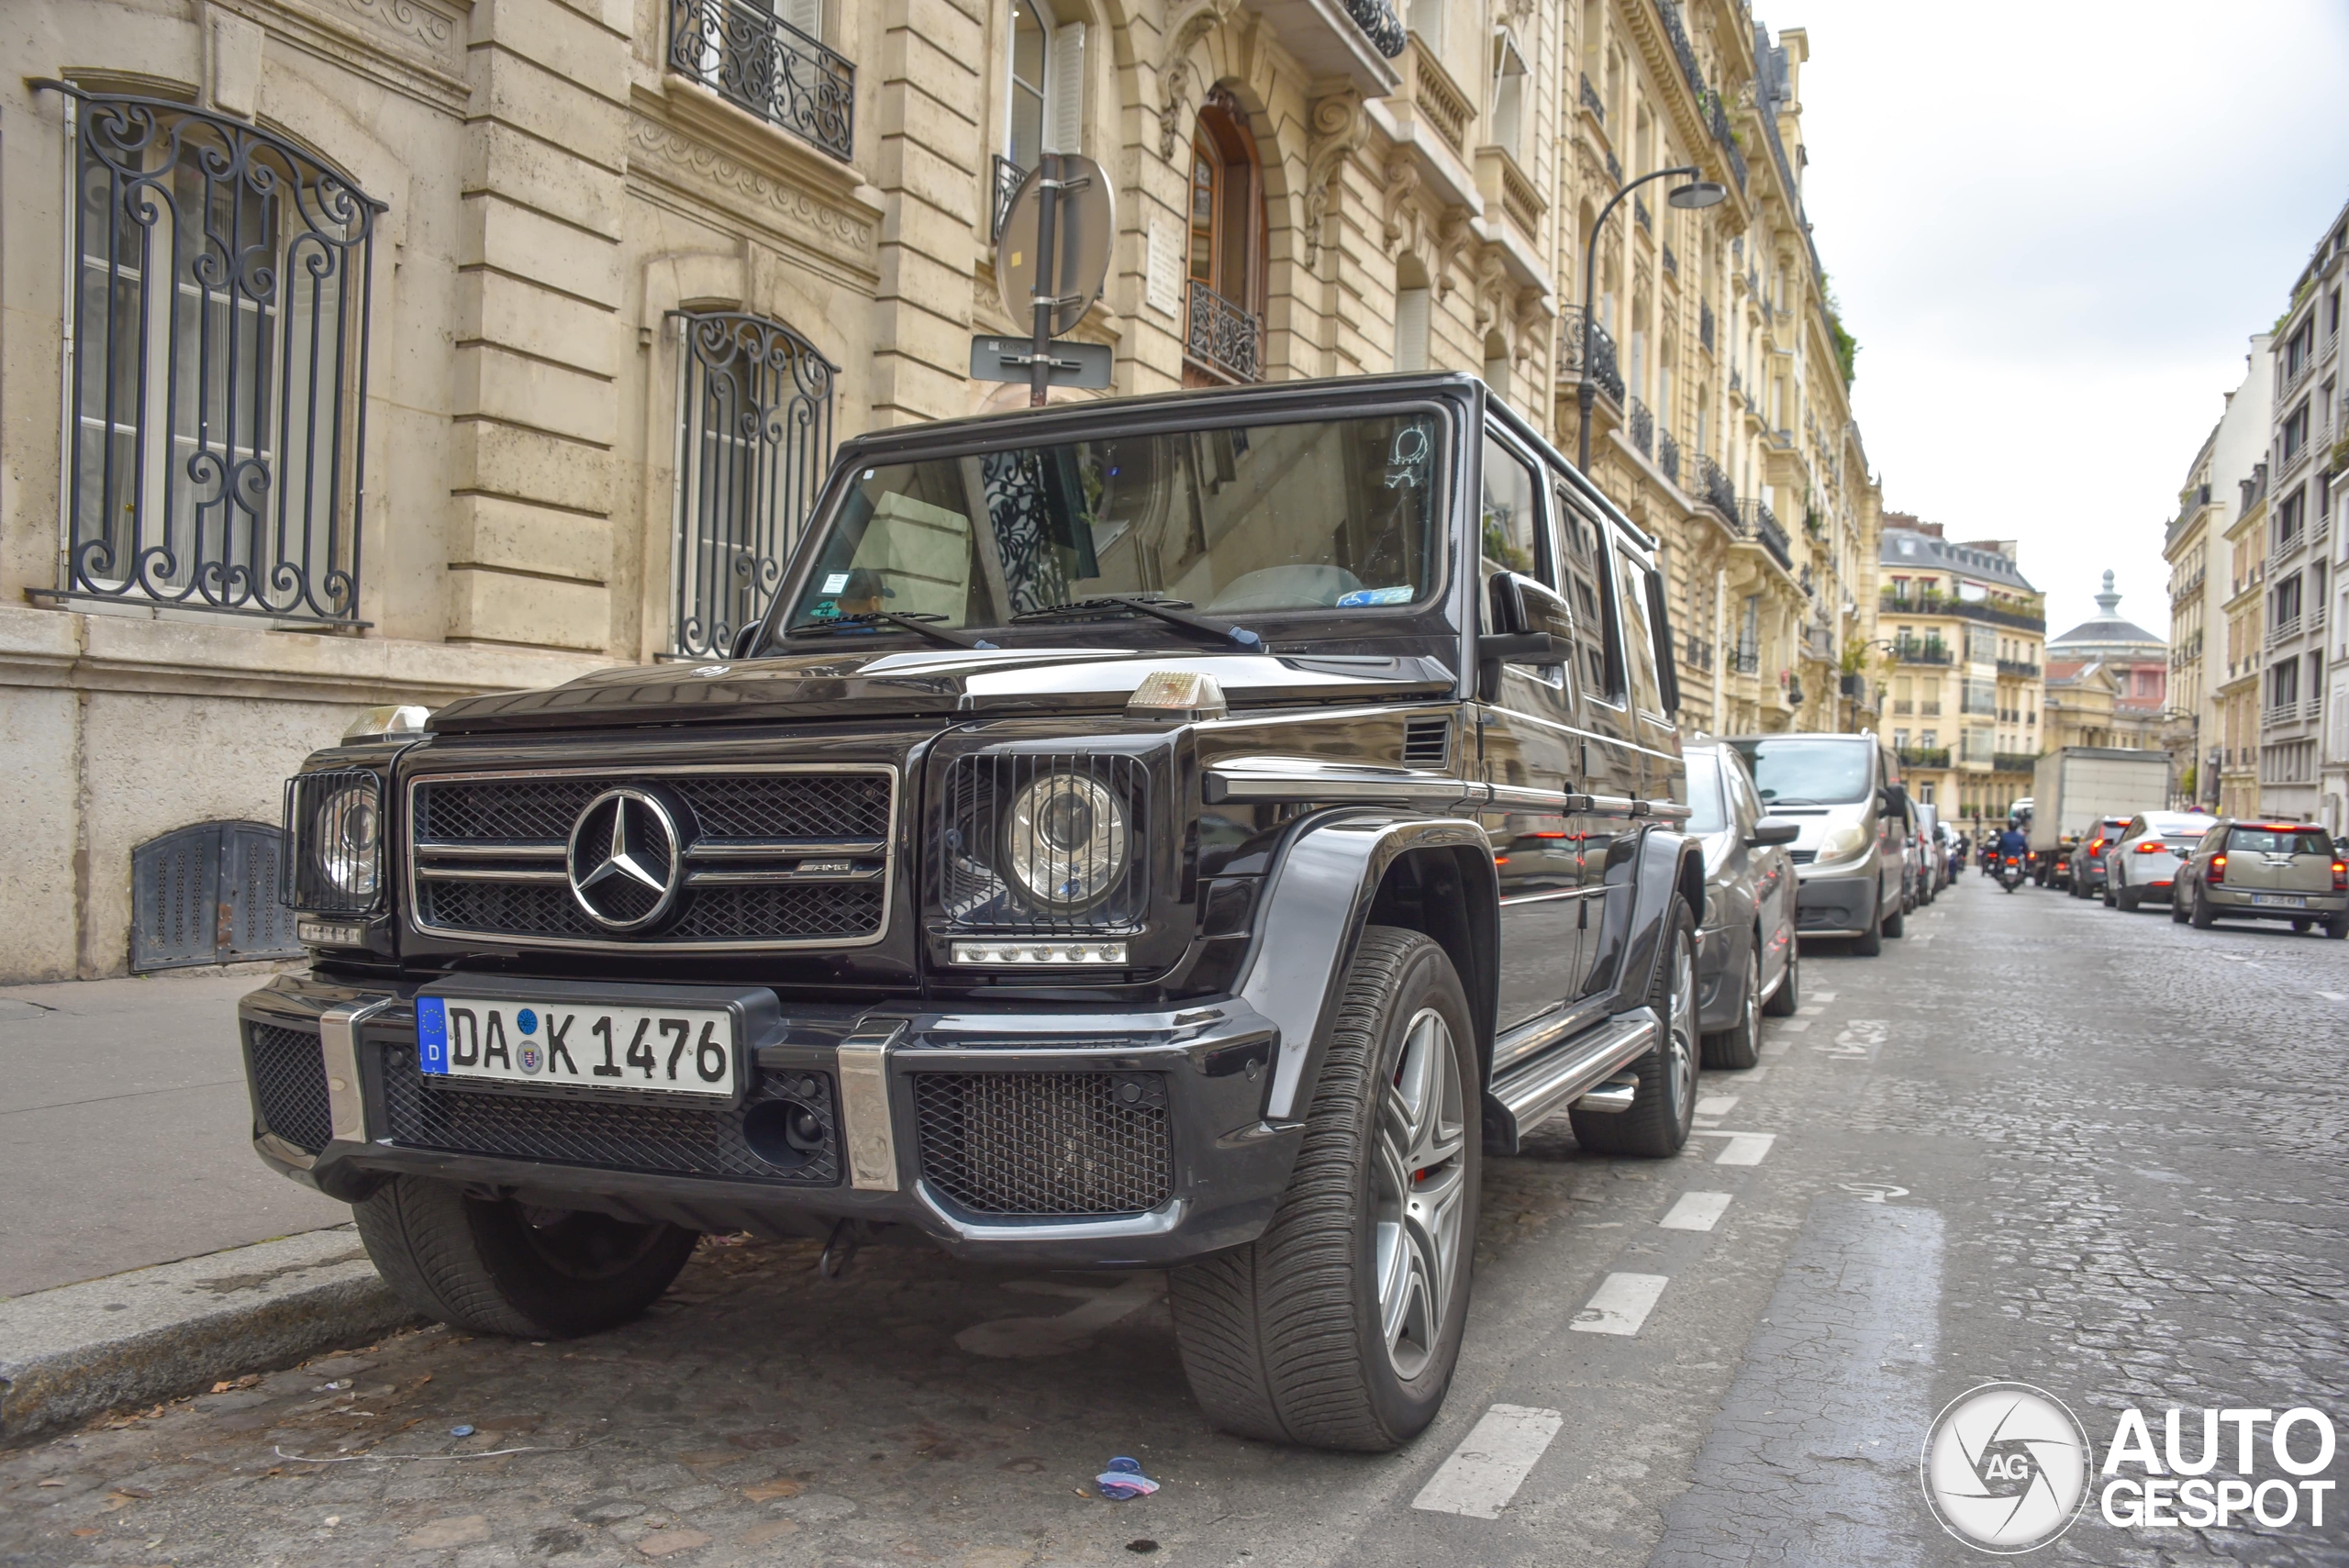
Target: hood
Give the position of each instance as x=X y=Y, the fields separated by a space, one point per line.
x=946 y=683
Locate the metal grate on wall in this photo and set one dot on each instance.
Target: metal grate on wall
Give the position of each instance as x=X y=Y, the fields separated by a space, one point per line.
x=208 y=895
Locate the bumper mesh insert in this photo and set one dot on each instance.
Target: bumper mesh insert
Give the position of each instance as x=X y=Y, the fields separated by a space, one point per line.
x=1045 y=1145
x=707 y=1141
x=289 y=1080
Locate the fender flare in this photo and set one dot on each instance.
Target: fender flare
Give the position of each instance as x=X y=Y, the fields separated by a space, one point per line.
x=1665 y=861
x=1310 y=918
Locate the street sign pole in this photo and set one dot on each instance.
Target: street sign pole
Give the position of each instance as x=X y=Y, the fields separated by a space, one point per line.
x=1046 y=288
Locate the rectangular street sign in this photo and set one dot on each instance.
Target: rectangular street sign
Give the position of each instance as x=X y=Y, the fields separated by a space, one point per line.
x=1072 y=364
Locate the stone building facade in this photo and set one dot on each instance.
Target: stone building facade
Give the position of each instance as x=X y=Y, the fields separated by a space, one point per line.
x=2107 y=683
x=2244 y=549
x=359 y=352
x=1962 y=651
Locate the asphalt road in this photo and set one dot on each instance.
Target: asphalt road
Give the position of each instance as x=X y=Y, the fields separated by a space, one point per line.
x=2037 y=1140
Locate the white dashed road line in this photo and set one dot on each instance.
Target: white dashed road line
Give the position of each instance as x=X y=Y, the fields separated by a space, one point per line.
x=1695 y=1211
x=2333 y=997
x=1484 y=1472
x=1822 y=995
x=1716 y=1105
x=1742 y=1149
x=1809 y=1012
x=1774 y=1048
x=1622 y=1304
x=1790 y=1026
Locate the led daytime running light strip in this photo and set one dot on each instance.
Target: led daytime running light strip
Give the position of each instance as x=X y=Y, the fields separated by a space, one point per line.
x=1013 y=954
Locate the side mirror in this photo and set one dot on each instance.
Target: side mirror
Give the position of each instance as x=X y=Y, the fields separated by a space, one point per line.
x=1772 y=831
x=1512 y=640
x=1894 y=799
x=1507 y=592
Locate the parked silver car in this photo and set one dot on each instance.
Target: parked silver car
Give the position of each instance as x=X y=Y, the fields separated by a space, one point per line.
x=1747 y=957
x=2265 y=871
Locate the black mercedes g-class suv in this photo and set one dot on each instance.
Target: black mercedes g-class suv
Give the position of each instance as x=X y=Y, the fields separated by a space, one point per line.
x=1153 y=833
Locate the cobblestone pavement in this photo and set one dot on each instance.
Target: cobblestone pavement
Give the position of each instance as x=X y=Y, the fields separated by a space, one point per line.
x=2037 y=1141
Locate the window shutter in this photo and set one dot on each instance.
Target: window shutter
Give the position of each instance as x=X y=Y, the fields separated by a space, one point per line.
x=807 y=15
x=1066 y=131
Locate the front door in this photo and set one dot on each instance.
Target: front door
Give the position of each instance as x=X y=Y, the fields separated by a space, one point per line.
x=1531 y=755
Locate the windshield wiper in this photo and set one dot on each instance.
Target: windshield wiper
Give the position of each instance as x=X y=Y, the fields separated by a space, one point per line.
x=1168 y=610
x=1792 y=800
x=917 y=623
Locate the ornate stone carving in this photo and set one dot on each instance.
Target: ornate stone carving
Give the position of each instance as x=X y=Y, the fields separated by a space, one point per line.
x=425 y=25
x=1340 y=129
x=796 y=207
x=1402 y=183
x=1451 y=237
x=1190 y=25
x=1492 y=285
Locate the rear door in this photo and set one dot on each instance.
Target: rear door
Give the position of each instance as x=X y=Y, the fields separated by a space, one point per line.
x=1614 y=773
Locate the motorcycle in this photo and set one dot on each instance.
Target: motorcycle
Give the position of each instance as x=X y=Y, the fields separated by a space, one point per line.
x=2010 y=874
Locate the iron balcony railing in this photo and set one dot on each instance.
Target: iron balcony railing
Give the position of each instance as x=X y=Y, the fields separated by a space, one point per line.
x=2017 y=669
x=1639 y=213
x=216 y=321
x=1909 y=651
x=1379 y=24
x=754 y=437
x=1682 y=49
x=1224 y=338
x=1640 y=426
x=1008 y=176
x=1967 y=609
x=1590 y=101
x=755 y=60
x=2013 y=762
x=1705 y=324
x=1603 y=368
x=1924 y=756
x=1614 y=168
x=1667 y=455
x=1762 y=524
x=1726 y=139
x=1746 y=660
x=1671 y=264
x=1716 y=490
x=1699 y=655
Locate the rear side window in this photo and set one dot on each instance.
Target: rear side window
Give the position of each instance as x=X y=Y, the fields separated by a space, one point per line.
x=1590 y=591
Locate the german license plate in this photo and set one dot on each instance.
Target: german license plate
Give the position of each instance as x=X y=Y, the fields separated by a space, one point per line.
x=2279 y=901
x=681 y=1051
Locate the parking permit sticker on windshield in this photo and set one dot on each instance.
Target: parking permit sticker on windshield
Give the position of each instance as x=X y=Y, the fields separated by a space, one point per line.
x=834 y=582
x=1360 y=597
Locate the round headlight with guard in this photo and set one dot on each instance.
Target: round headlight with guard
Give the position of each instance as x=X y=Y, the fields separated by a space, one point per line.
x=347 y=838
x=1067 y=841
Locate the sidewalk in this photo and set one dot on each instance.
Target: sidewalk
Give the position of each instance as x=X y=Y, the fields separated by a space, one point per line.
x=126 y=1133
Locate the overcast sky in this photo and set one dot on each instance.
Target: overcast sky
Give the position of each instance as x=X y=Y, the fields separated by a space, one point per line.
x=2053 y=228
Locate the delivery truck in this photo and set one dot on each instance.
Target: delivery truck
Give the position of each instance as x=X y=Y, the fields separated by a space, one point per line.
x=2077 y=786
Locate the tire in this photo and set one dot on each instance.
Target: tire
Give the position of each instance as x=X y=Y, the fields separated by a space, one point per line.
x=2176 y=909
x=1285 y=1339
x=1897 y=925
x=1739 y=1046
x=2126 y=899
x=2200 y=919
x=2338 y=927
x=483 y=1266
x=1789 y=996
x=2109 y=901
x=2300 y=927
x=1869 y=943
x=1666 y=1107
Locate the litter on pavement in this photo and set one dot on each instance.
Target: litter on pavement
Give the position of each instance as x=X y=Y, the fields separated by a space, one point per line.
x=1124 y=1479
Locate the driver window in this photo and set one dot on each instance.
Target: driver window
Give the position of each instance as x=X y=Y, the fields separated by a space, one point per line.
x=1510 y=539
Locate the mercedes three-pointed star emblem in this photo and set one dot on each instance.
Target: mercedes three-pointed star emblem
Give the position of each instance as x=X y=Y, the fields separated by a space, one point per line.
x=626 y=861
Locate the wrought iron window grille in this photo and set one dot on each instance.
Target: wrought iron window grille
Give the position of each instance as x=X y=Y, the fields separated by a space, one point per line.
x=755 y=60
x=1641 y=427
x=214 y=372
x=1224 y=337
x=754 y=437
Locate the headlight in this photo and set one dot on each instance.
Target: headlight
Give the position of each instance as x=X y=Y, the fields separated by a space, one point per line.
x=1844 y=843
x=350 y=830
x=334 y=841
x=1065 y=840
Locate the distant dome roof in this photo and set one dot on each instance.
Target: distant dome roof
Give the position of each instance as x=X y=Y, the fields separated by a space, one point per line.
x=2108 y=628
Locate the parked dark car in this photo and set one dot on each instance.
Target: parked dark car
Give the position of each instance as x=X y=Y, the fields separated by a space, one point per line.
x=1179 y=832
x=2084 y=866
x=1748 y=961
x=2263 y=871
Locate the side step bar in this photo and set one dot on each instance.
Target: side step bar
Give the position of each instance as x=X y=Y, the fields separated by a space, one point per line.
x=1526 y=1095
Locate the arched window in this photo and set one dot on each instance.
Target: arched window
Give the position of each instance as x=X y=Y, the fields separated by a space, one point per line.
x=216 y=379
x=754 y=435
x=1043 y=91
x=1225 y=341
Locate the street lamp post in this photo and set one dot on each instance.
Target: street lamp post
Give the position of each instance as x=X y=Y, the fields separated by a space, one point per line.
x=1697 y=192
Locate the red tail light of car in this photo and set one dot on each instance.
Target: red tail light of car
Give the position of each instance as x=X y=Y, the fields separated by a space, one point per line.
x=2218 y=872
x=2153 y=846
x=2340 y=876
x=2096 y=846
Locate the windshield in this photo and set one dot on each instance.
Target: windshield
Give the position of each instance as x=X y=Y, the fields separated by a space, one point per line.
x=1328 y=515
x=1814 y=772
x=1708 y=812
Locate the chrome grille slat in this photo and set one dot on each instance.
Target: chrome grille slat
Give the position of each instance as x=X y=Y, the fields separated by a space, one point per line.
x=481 y=841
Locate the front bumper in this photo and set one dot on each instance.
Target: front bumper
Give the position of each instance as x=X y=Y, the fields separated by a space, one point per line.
x=949 y=1123
x=1839 y=904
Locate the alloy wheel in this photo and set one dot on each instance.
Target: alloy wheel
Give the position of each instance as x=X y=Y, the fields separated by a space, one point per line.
x=1419 y=1187
x=1680 y=1047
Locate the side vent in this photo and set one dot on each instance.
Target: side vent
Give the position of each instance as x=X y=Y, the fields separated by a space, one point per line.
x=1427 y=742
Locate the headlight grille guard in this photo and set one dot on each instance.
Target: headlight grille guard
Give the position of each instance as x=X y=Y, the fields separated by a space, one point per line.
x=302 y=882
x=973 y=882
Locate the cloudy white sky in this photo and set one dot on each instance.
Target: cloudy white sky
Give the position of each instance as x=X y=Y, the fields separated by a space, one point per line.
x=2052 y=227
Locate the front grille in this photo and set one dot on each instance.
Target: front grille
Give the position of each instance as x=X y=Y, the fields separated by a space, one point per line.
x=290 y=1082
x=1034 y=1145
x=754 y=805
x=776 y=857
x=538 y=909
x=720 y=1142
